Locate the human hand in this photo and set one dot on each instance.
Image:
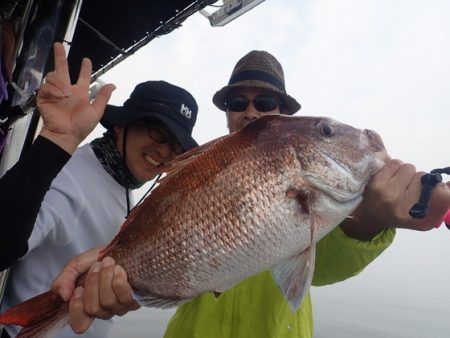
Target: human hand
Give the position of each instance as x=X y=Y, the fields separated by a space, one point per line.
x=106 y=291
x=387 y=201
x=67 y=113
x=66 y=282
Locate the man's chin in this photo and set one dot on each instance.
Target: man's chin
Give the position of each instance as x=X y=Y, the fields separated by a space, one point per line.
x=146 y=178
x=146 y=175
x=237 y=128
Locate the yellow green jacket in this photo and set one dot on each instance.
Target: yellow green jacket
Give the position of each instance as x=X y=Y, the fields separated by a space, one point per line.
x=256 y=308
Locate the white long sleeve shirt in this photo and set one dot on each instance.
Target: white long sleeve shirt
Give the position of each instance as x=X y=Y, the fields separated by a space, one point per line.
x=84 y=208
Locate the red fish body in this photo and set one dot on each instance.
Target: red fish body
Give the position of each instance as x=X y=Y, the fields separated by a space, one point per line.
x=255 y=200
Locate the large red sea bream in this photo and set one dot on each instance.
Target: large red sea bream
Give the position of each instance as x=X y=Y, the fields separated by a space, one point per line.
x=255 y=200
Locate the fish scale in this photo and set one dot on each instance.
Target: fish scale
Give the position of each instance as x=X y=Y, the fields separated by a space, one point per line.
x=255 y=200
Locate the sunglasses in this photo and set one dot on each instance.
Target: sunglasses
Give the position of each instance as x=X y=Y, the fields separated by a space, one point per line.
x=161 y=135
x=262 y=103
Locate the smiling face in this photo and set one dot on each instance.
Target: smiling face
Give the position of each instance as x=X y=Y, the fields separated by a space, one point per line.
x=144 y=153
x=239 y=119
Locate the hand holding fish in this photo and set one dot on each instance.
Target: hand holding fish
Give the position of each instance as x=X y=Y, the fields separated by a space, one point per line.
x=387 y=200
x=106 y=291
x=67 y=113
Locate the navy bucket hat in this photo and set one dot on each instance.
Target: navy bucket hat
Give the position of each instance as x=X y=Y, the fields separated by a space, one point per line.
x=173 y=106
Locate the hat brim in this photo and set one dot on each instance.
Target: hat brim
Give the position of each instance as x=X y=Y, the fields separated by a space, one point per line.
x=219 y=97
x=117 y=116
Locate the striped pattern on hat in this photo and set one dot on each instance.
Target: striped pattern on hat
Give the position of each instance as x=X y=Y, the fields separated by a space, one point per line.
x=258 y=69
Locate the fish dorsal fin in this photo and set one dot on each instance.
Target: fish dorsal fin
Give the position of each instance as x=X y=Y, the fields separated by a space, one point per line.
x=294 y=276
x=173 y=167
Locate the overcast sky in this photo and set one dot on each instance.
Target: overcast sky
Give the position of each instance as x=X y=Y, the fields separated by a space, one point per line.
x=378 y=64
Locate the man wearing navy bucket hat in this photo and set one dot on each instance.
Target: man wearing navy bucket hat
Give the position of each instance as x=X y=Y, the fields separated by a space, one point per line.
x=152 y=127
x=90 y=197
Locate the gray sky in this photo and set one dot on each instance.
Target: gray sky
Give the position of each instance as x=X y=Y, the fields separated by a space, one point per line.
x=378 y=64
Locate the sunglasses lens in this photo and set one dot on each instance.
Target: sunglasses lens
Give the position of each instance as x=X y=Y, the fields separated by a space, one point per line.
x=265 y=103
x=261 y=103
x=237 y=103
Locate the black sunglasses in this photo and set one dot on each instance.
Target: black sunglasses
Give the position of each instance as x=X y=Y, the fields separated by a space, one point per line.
x=161 y=135
x=262 y=103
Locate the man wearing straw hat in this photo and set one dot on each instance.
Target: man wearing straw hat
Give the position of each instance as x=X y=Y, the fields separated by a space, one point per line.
x=256 y=307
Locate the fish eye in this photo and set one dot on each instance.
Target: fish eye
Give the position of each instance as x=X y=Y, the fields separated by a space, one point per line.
x=326 y=130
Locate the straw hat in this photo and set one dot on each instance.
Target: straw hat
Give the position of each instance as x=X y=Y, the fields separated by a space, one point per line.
x=258 y=69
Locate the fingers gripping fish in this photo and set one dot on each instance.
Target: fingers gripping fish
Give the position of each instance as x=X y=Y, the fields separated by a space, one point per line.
x=254 y=200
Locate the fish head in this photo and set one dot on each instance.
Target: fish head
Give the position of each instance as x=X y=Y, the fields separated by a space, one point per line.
x=335 y=158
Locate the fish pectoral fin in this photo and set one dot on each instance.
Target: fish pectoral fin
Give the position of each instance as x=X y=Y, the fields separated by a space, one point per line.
x=158 y=301
x=305 y=197
x=294 y=276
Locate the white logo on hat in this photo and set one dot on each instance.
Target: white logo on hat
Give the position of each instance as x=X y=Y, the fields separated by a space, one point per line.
x=186 y=111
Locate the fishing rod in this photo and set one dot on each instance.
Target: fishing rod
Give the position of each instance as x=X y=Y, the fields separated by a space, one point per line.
x=429 y=181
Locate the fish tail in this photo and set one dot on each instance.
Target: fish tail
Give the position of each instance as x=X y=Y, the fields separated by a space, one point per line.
x=40 y=316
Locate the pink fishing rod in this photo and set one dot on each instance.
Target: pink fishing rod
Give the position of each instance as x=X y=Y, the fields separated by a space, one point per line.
x=447 y=219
